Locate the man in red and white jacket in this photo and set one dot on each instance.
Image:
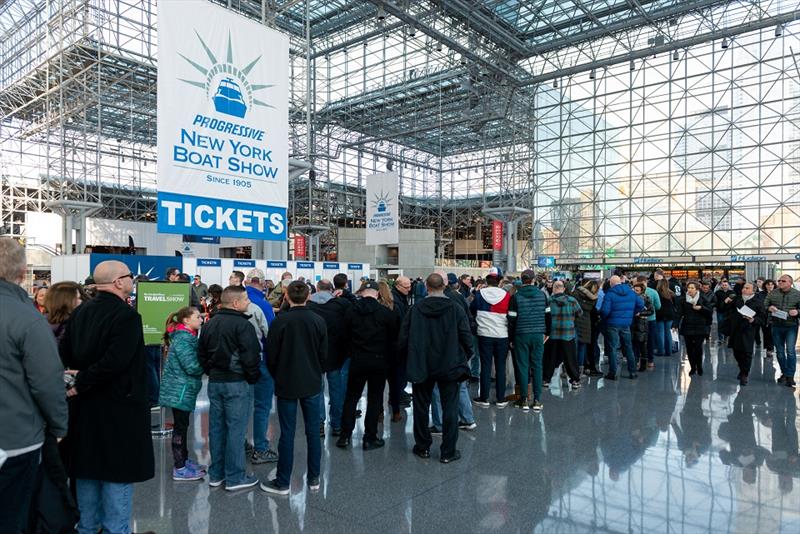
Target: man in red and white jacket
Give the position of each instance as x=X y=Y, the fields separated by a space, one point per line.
x=490 y=307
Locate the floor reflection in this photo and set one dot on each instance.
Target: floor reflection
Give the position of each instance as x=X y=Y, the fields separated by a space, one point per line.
x=665 y=453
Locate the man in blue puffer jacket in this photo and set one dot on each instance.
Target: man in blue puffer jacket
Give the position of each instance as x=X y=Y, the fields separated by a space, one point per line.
x=619 y=306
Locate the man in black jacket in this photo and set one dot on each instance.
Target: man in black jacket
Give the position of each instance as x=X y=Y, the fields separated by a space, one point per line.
x=297 y=347
x=109 y=419
x=435 y=335
x=229 y=352
x=372 y=330
x=743 y=328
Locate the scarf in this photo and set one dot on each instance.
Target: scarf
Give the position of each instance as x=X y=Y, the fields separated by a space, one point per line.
x=745 y=299
x=180 y=326
x=693 y=300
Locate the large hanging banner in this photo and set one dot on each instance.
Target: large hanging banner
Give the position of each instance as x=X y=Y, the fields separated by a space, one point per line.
x=383 y=215
x=223 y=123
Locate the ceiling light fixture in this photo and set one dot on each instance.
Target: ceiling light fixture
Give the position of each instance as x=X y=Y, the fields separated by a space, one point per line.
x=778 y=30
x=633 y=65
x=591 y=74
x=724 y=43
x=676 y=56
x=381 y=14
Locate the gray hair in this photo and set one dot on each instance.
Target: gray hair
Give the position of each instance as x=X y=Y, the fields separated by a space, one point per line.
x=12 y=260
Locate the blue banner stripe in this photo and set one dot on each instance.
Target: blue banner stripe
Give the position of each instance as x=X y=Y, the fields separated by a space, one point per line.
x=185 y=214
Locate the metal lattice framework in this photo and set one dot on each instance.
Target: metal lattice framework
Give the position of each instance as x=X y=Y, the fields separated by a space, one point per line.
x=649 y=127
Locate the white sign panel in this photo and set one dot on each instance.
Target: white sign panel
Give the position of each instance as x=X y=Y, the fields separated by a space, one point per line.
x=383 y=215
x=223 y=123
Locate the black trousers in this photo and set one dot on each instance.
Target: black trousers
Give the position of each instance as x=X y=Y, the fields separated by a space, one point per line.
x=397 y=383
x=560 y=351
x=592 y=361
x=180 y=429
x=765 y=332
x=17 y=478
x=745 y=360
x=371 y=373
x=694 y=351
x=448 y=391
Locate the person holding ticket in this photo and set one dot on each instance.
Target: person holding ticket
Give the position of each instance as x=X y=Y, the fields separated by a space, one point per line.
x=745 y=315
x=783 y=305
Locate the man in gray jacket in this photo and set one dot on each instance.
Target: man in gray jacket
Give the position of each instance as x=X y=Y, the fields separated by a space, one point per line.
x=32 y=393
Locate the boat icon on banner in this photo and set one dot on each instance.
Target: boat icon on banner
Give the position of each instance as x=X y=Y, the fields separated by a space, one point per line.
x=228 y=99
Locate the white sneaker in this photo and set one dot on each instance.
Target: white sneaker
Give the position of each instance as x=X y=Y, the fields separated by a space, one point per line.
x=502 y=404
x=247 y=482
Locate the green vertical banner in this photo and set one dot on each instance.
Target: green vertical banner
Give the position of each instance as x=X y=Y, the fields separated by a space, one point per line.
x=155 y=301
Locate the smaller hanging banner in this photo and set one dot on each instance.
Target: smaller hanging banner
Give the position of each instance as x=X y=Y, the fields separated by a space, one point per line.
x=497 y=235
x=299 y=247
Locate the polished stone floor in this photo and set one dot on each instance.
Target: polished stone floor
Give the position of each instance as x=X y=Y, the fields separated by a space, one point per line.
x=665 y=453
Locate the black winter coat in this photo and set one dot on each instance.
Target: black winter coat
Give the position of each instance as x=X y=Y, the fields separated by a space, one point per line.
x=109 y=419
x=372 y=331
x=297 y=347
x=743 y=332
x=333 y=313
x=228 y=349
x=400 y=303
x=667 y=310
x=436 y=340
x=693 y=322
x=583 y=323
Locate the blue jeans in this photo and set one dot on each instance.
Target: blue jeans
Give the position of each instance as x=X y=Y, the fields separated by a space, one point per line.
x=617 y=334
x=493 y=348
x=655 y=339
x=227 y=427
x=287 y=416
x=104 y=504
x=335 y=398
x=581 y=353
x=666 y=337
x=720 y=318
x=785 y=339
x=263 y=391
x=475 y=362
x=465 y=414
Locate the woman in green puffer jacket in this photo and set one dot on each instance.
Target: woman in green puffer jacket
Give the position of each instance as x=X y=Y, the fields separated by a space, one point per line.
x=180 y=383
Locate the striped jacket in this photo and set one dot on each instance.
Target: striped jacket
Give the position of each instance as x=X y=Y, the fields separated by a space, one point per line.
x=490 y=307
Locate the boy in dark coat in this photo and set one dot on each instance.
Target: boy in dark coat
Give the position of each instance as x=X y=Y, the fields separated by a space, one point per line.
x=297 y=347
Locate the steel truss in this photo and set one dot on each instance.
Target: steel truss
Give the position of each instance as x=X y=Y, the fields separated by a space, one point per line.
x=627 y=128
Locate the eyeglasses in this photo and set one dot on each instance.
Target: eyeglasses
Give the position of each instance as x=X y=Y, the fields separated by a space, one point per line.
x=129 y=275
x=783 y=281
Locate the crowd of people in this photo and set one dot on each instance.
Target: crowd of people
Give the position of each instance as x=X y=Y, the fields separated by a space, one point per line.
x=75 y=366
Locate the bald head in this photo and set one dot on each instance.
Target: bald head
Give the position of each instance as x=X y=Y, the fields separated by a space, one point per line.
x=558 y=286
x=403 y=285
x=113 y=277
x=614 y=281
x=107 y=271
